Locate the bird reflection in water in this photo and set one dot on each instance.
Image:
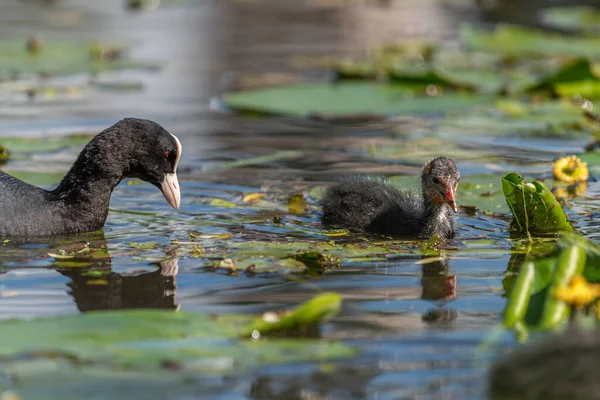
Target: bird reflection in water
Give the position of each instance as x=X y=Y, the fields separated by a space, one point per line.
x=438 y=285
x=96 y=287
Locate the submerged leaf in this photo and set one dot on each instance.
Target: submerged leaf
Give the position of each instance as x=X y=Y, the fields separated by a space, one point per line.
x=535 y=209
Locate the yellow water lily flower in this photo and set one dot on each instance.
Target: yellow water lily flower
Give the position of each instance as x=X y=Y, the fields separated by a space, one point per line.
x=570 y=169
x=579 y=292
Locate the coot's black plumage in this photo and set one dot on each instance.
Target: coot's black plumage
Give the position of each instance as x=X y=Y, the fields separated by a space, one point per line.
x=560 y=366
x=369 y=206
x=131 y=148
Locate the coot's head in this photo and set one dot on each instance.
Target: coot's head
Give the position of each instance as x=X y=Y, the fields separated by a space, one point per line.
x=156 y=154
x=440 y=181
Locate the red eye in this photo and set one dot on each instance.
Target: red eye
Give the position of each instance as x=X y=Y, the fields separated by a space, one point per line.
x=166 y=154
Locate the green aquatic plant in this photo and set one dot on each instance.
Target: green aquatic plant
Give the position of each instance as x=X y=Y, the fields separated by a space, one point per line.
x=319 y=308
x=154 y=343
x=348 y=98
x=535 y=209
x=537 y=298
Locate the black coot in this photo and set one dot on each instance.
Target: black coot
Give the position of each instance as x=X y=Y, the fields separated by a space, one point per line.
x=561 y=366
x=132 y=148
x=369 y=206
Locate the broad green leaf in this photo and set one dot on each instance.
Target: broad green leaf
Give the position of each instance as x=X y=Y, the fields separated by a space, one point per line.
x=576 y=77
x=589 y=88
x=515 y=40
x=37 y=178
x=146 y=341
x=30 y=145
x=347 y=98
x=323 y=306
x=534 y=208
x=578 y=18
x=57 y=56
x=517 y=119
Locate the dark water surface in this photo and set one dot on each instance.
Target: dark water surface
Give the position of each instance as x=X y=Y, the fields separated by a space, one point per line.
x=418 y=325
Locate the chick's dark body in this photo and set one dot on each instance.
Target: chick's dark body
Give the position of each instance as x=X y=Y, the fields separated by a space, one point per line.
x=366 y=205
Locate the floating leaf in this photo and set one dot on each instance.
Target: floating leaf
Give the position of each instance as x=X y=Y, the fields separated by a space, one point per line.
x=347 y=98
x=38 y=178
x=321 y=307
x=534 y=208
x=575 y=77
x=516 y=40
x=32 y=145
x=573 y=18
x=317 y=260
x=144 y=246
x=56 y=56
x=144 y=340
x=222 y=203
x=518 y=119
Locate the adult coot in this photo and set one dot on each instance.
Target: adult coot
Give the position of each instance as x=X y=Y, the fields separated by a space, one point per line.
x=131 y=148
x=561 y=366
x=370 y=206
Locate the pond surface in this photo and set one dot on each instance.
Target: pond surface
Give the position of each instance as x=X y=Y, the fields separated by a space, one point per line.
x=418 y=322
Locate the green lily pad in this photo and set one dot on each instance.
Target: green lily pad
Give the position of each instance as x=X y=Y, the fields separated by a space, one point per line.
x=347 y=98
x=579 y=18
x=515 y=40
x=156 y=342
x=37 y=178
x=483 y=191
x=534 y=208
x=519 y=119
x=56 y=56
x=20 y=146
x=576 y=77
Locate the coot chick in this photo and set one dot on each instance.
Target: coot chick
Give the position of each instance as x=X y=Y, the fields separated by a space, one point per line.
x=563 y=366
x=132 y=148
x=368 y=206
